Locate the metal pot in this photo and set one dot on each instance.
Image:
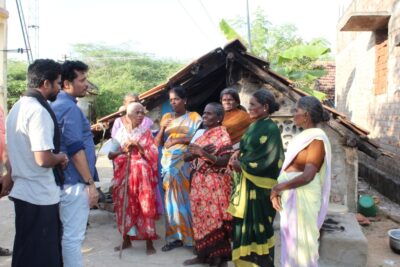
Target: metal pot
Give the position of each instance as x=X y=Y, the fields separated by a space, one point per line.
x=394 y=240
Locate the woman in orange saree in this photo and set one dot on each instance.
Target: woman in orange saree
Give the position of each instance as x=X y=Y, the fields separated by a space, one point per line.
x=236 y=119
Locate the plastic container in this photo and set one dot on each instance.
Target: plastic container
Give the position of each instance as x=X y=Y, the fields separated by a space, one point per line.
x=394 y=240
x=366 y=206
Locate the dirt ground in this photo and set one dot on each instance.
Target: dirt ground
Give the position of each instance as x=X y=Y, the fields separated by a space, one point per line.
x=379 y=252
x=102 y=235
x=388 y=217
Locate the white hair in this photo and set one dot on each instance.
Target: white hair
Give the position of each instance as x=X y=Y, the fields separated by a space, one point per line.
x=130 y=94
x=132 y=107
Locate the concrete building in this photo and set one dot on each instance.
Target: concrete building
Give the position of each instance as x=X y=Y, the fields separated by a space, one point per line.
x=368 y=85
x=368 y=69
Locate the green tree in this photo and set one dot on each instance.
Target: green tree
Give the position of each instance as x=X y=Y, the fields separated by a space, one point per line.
x=113 y=70
x=281 y=45
x=116 y=72
x=16 y=80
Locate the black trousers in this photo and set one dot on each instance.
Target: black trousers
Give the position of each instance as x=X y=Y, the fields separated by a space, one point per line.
x=37 y=240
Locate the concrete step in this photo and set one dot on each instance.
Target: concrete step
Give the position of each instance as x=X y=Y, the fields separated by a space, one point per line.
x=346 y=249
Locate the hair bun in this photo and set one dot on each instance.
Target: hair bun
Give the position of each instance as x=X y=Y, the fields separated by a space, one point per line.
x=277 y=106
x=326 y=116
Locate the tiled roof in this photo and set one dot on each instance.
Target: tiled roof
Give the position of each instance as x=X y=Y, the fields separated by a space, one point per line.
x=219 y=60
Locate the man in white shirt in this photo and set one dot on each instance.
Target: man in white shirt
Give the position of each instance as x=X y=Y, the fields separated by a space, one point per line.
x=33 y=140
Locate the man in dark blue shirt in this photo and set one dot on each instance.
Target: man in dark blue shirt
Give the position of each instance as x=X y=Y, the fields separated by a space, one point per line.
x=79 y=191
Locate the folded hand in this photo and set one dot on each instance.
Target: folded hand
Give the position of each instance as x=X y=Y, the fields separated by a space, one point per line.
x=276 y=199
x=170 y=142
x=210 y=148
x=166 y=123
x=64 y=160
x=195 y=150
x=235 y=165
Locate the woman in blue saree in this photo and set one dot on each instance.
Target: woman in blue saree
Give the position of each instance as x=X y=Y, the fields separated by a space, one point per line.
x=176 y=131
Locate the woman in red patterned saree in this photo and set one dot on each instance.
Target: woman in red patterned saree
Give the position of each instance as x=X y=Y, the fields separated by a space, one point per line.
x=141 y=207
x=210 y=190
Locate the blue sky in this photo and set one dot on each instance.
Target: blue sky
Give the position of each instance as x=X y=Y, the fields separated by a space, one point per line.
x=178 y=29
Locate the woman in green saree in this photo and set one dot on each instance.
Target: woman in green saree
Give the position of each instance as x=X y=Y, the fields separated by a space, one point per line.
x=256 y=167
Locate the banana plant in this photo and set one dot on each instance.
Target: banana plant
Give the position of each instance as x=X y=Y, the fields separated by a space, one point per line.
x=287 y=53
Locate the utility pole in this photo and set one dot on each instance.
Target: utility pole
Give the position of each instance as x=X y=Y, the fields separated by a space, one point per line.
x=24 y=31
x=248 y=26
x=33 y=27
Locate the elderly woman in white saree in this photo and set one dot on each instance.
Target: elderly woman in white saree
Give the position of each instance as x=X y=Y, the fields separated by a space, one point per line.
x=302 y=193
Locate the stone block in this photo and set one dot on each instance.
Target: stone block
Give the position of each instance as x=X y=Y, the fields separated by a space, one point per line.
x=384 y=182
x=348 y=248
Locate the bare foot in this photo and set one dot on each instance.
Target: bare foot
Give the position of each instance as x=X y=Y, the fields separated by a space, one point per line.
x=126 y=244
x=215 y=261
x=193 y=261
x=150 y=248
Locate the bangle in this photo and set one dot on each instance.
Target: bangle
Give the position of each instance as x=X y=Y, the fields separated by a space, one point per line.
x=89 y=181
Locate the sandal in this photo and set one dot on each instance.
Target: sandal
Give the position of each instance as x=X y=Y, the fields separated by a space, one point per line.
x=5 y=252
x=172 y=245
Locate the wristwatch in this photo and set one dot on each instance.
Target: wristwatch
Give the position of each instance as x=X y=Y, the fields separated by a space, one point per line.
x=89 y=181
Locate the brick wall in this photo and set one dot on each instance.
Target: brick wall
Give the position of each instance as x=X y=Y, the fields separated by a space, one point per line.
x=326 y=83
x=382 y=174
x=381 y=61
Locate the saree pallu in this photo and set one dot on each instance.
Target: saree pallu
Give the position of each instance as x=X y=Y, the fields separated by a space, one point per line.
x=209 y=199
x=261 y=158
x=141 y=209
x=176 y=173
x=304 y=208
x=236 y=122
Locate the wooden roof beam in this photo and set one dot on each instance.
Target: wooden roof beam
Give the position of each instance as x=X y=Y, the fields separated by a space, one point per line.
x=265 y=76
